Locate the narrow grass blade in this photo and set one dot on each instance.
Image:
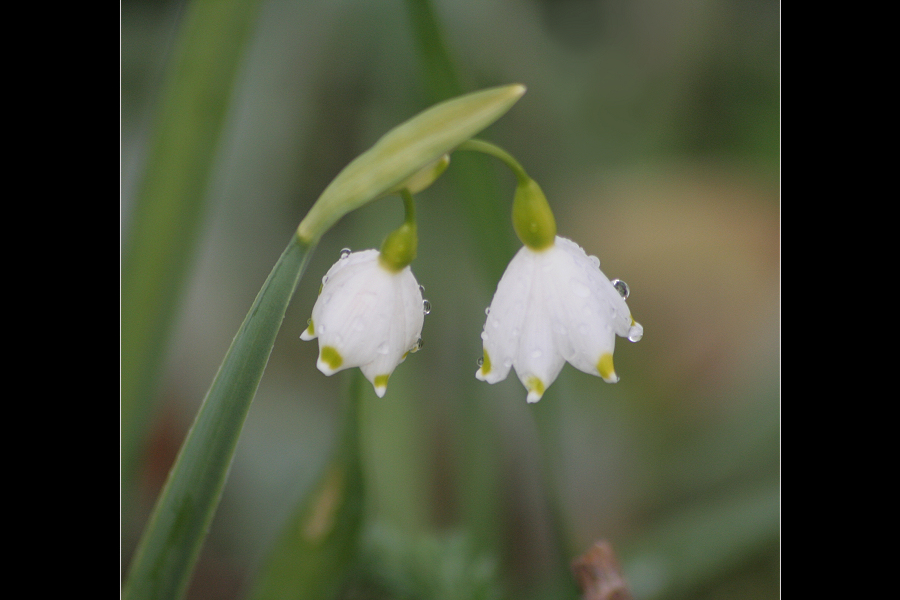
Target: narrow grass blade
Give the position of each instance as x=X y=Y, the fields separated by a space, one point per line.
x=165 y=558
x=169 y=207
x=319 y=544
x=702 y=543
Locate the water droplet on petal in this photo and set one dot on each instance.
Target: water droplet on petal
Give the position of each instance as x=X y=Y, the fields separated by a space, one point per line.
x=536 y=354
x=417 y=346
x=487 y=311
x=345 y=253
x=426 y=306
x=507 y=363
x=484 y=335
x=480 y=361
x=621 y=287
x=422 y=289
x=383 y=348
x=309 y=321
x=635 y=333
x=595 y=261
x=325 y=280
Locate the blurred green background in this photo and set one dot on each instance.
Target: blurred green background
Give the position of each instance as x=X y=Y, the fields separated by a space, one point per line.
x=653 y=128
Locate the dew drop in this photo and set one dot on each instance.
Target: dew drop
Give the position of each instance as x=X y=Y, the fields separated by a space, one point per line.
x=417 y=346
x=536 y=354
x=595 y=261
x=325 y=280
x=422 y=289
x=621 y=287
x=426 y=306
x=309 y=321
x=480 y=361
x=383 y=348
x=484 y=335
x=507 y=363
x=487 y=311
x=345 y=253
x=635 y=333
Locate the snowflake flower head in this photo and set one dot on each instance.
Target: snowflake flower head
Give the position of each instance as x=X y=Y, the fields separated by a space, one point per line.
x=554 y=305
x=367 y=315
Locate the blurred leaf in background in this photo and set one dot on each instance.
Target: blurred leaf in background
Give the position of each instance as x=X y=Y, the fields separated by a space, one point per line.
x=653 y=128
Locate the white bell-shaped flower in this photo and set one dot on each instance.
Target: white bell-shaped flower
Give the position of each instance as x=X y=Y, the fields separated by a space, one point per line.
x=551 y=306
x=367 y=315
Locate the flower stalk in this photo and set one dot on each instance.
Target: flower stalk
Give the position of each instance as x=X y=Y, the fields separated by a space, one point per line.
x=533 y=220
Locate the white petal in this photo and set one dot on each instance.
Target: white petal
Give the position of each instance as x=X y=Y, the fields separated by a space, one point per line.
x=597 y=313
x=404 y=331
x=503 y=326
x=350 y=314
x=539 y=360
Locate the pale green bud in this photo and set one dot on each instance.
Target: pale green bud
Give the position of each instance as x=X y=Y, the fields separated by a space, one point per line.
x=399 y=248
x=404 y=151
x=532 y=218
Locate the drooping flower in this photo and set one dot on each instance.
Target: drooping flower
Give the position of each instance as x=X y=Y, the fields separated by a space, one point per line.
x=554 y=305
x=367 y=315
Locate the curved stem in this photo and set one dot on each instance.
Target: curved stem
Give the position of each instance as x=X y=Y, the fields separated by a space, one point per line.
x=409 y=207
x=497 y=152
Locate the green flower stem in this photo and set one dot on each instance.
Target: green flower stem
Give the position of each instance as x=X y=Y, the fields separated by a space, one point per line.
x=532 y=218
x=497 y=152
x=171 y=543
x=409 y=207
